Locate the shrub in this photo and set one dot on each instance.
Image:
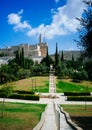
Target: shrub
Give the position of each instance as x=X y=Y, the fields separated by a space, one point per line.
x=23 y=92
x=79 y=98
x=80 y=75
x=25 y=96
x=6 y=91
x=22 y=96
x=77 y=93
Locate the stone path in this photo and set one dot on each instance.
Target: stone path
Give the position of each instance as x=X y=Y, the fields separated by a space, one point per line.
x=49 y=123
x=52 y=85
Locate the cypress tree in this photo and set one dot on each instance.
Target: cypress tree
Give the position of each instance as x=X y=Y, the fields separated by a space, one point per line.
x=47 y=59
x=17 y=57
x=62 y=56
x=22 y=57
x=72 y=57
x=56 y=56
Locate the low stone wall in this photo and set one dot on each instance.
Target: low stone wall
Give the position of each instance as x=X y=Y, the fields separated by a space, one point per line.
x=69 y=121
x=57 y=116
x=41 y=122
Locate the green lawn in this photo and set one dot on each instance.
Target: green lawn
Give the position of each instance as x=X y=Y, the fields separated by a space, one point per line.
x=64 y=86
x=41 y=84
x=79 y=115
x=19 y=116
x=38 y=84
x=44 y=88
x=78 y=110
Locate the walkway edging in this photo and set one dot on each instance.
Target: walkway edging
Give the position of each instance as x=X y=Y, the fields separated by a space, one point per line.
x=57 y=115
x=69 y=121
x=41 y=122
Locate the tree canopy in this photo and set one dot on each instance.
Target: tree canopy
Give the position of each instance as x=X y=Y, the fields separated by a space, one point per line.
x=85 y=30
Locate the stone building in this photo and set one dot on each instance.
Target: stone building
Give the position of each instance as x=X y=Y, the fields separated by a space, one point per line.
x=36 y=50
x=43 y=47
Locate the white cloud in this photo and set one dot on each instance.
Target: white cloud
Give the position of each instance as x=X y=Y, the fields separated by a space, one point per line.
x=63 y=20
x=57 y=1
x=20 y=12
x=36 y=31
x=15 y=19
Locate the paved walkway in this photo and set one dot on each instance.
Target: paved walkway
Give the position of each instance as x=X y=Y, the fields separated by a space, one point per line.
x=52 y=85
x=60 y=100
x=49 y=123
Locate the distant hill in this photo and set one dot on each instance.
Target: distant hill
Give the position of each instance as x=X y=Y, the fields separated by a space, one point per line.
x=69 y=54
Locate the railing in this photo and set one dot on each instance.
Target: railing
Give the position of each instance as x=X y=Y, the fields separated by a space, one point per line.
x=41 y=122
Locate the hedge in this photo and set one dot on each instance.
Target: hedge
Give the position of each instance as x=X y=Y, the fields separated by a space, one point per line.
x=77 y=93
x=79 y=98
x=23 y=92
x=23 y=96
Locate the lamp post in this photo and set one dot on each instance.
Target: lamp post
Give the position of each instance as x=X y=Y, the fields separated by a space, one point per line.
x=33 y=83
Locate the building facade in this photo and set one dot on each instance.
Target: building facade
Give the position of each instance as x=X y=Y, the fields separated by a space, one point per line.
x=36 y=50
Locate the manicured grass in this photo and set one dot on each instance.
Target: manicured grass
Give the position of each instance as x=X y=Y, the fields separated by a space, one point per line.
x=79 y=115
x=68 y=86
x=43 y=89
x=40 y=84
x=19 y=116
x=78 y=110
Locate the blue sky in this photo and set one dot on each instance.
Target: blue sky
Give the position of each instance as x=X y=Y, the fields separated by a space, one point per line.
x=21 y=21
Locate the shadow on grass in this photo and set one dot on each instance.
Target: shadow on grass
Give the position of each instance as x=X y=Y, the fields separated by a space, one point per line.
x=83 y=122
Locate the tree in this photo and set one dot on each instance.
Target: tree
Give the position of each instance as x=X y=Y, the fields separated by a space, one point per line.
x=62 y=56
x=22 y=57
x=3 y=77
x=17 y=57
x=4 y=73
x=47 y=60
x=56 y=56
x=88 y=68
x=85 y=32
x=6 y=92
x=72 y=57
x=62 y=70
x=28 y=63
